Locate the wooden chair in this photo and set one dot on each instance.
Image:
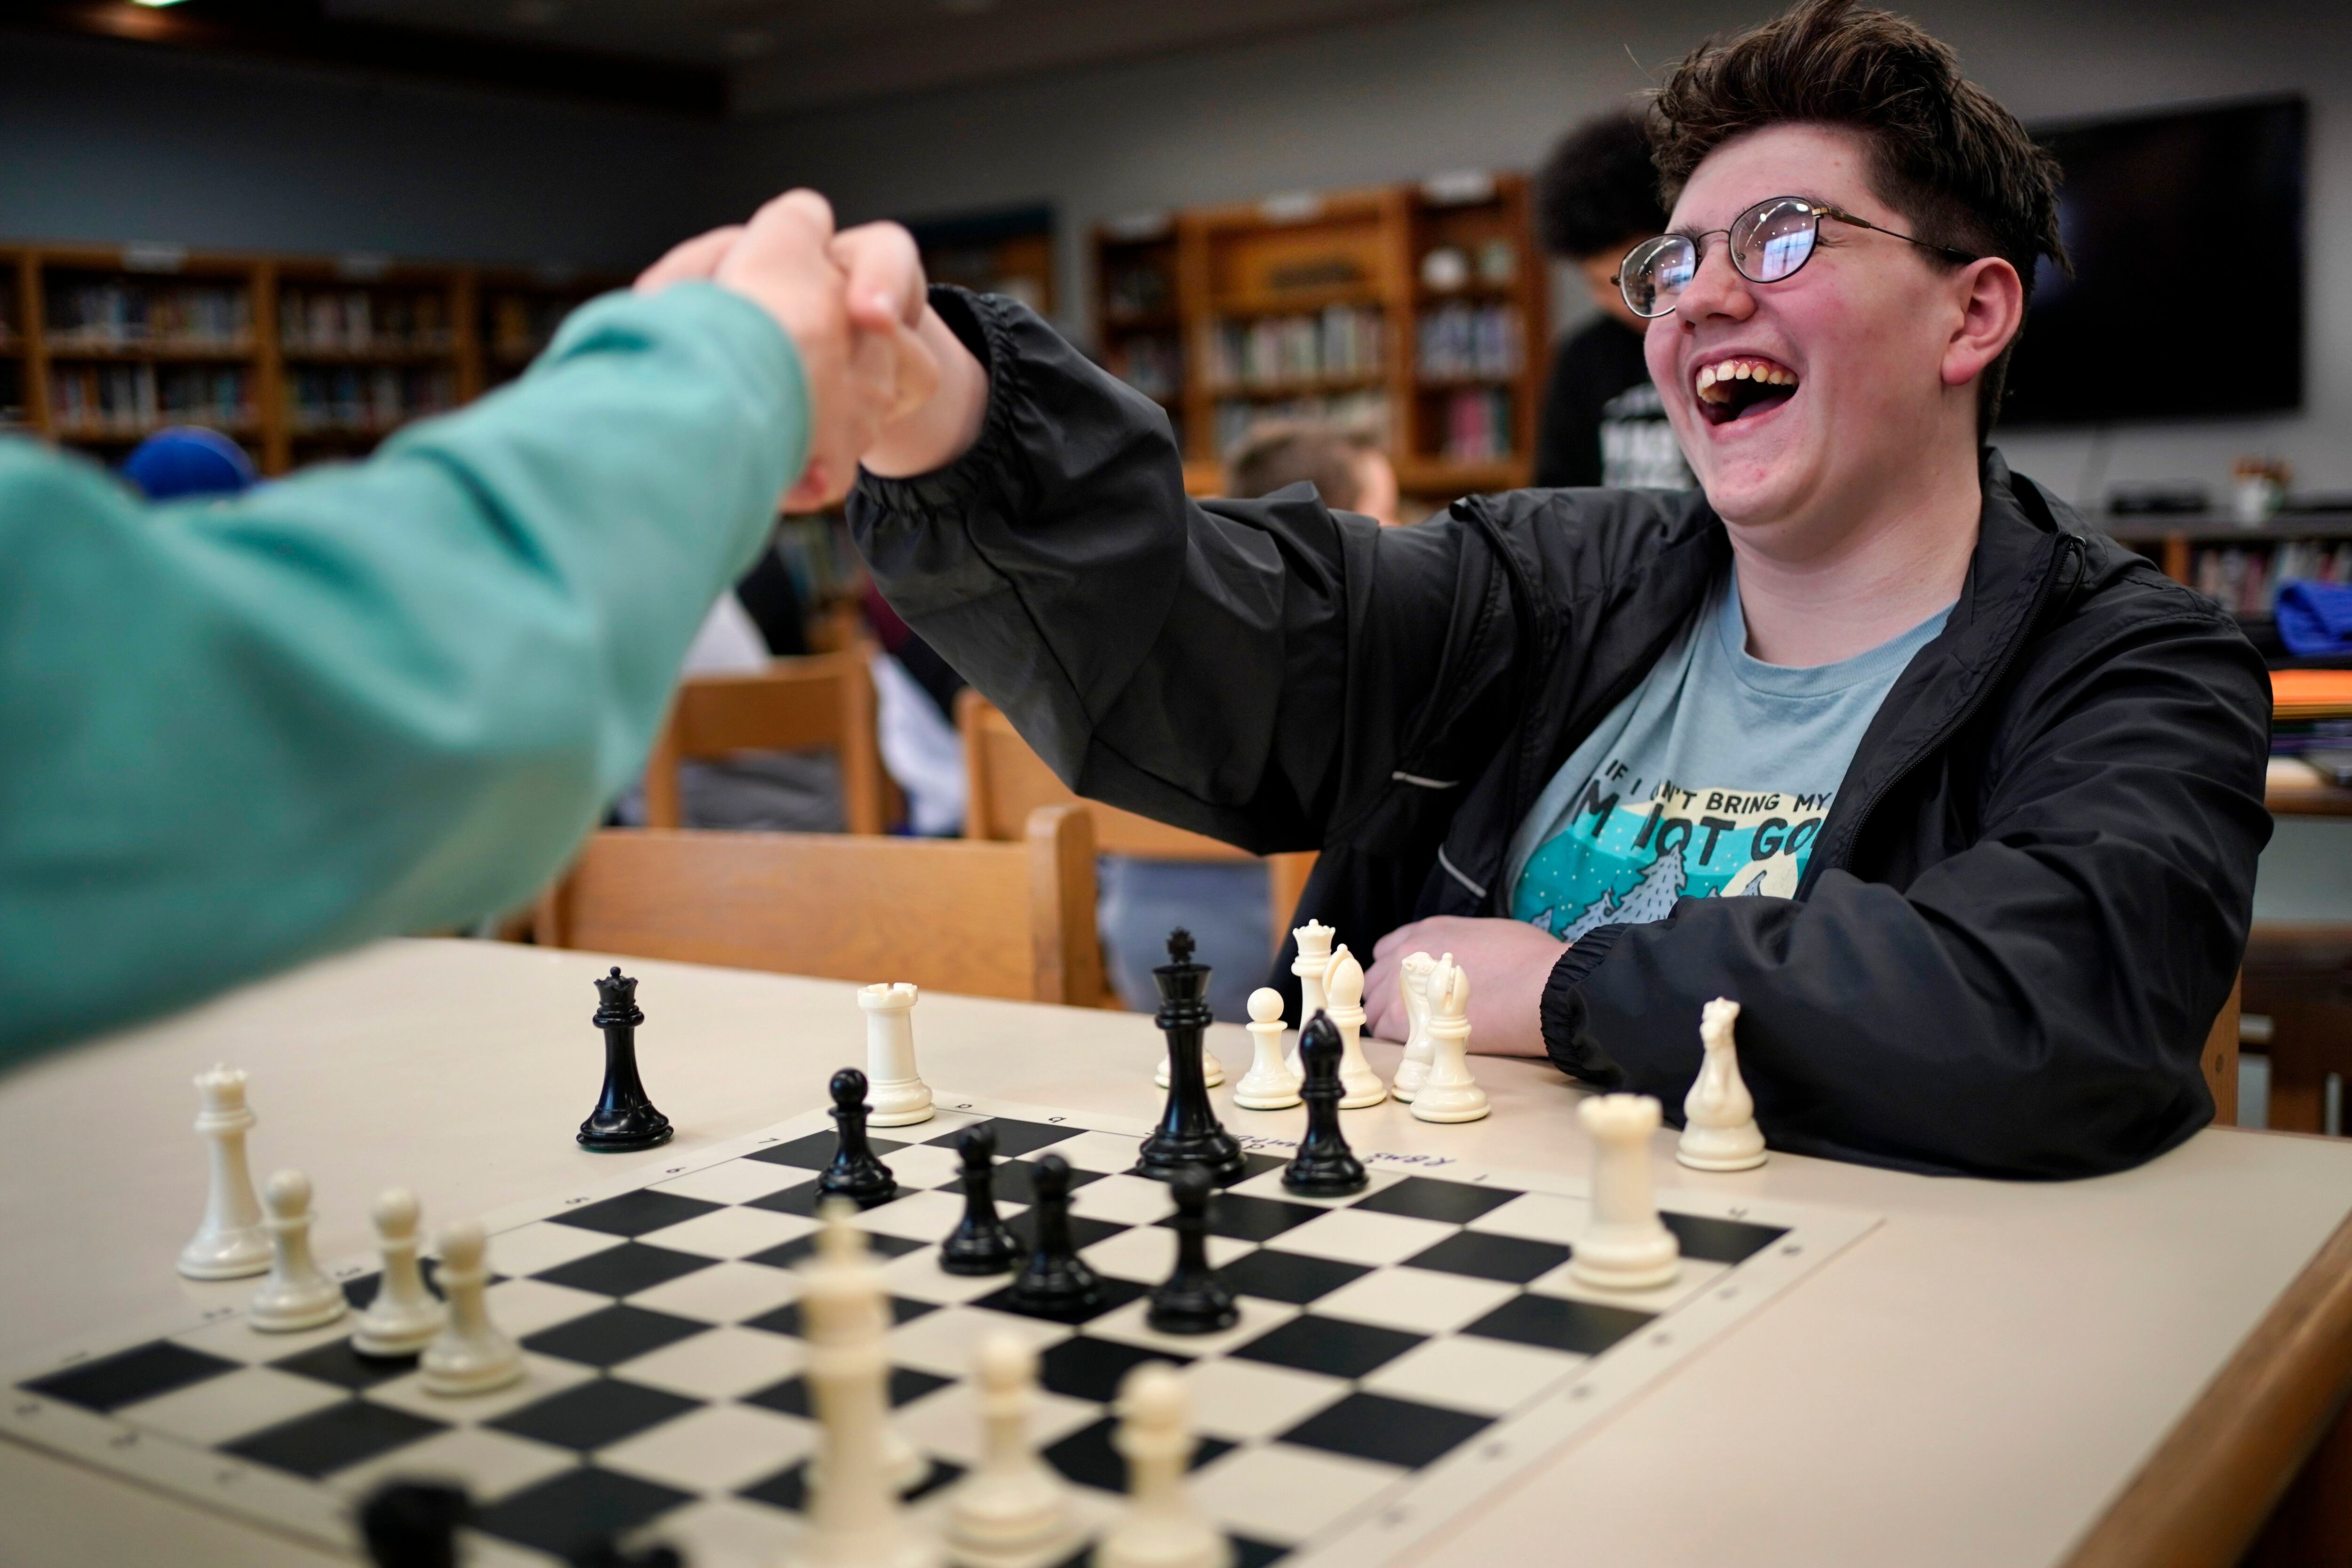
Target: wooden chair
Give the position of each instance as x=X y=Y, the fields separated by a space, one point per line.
x=986 y=919
x=2219 y=1058
x=822 y=701
x=1006 y=781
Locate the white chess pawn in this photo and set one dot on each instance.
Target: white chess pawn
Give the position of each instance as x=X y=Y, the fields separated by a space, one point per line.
x=854 y=1518
x=1448 y=1092
x=1412 y=986
x=1343 y=990
x=1012 y=1503
x=297 y=1295
x=1628 y=1247
x=894 y=1088
x=1213 y=1071
x=232 y=1242
x=471 y=1355
x=1160 y=1529
x=1268 y=1084
x=1719 y=1130
x=404 y=1316
x=1313 y=941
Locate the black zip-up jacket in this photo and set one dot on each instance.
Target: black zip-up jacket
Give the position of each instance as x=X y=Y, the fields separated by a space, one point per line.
x=2026 y=906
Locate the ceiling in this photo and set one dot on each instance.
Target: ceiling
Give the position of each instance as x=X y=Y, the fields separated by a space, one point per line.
x=785 y=55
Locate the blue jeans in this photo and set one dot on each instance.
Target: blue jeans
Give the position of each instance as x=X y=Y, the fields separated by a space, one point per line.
x=1221 y=902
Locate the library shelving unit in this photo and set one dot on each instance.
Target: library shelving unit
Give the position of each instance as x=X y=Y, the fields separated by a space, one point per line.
x=1413 y=310
x=2240 y=565
x=299 y=358
x=1008 y=250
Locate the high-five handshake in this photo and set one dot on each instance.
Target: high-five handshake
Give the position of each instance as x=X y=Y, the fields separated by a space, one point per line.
x=889 y=384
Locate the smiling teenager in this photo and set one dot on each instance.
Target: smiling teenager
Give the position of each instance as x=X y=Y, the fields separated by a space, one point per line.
x=1960 y=802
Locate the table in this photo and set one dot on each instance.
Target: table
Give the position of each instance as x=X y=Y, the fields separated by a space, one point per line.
x=1978 y=1381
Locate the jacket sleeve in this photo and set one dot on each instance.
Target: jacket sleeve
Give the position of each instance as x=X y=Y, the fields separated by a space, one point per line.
x=2033 y=1005
x=1251 y=670
x=371 y=699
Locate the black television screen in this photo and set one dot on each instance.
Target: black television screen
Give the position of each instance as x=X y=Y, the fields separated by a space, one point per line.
x=2187 y=300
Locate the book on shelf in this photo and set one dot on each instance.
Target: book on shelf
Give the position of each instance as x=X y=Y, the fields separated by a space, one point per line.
x=129 y=400
x=2245 y=579
x=1368 y=411
x=117 y=313
x=355 y=321
x=1479 y=425
x=1459 y=341
x=1341 y=343
x=352 y=399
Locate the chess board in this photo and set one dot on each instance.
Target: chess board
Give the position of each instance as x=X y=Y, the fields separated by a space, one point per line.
x=1400 y=1354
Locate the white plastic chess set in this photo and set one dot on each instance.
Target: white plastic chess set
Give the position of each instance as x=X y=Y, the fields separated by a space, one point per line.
x=813 y=1345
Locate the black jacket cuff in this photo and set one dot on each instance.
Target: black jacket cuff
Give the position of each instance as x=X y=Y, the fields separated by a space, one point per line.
x=1572 y=1047
x=988 y=461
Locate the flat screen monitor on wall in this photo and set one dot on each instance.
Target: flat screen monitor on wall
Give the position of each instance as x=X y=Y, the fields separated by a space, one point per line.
x=2187 y=300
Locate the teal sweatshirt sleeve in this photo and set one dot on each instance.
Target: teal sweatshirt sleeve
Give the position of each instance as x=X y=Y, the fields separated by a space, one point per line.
x=371 y=699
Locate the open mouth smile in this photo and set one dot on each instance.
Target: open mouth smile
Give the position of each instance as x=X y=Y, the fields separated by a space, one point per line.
x=1732 y=389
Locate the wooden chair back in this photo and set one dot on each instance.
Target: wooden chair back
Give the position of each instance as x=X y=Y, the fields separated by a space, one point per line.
x=822 y=701
x=984 y=920
x=1006 y=780
x=2220 y=1058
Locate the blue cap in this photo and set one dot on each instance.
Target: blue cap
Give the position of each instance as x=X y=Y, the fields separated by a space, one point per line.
x=188 y=461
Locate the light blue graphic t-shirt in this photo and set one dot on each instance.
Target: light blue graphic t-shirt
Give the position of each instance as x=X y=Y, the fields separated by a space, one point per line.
x=1710 y=780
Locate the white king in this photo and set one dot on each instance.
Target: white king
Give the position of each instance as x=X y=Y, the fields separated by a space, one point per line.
x=897 y=1092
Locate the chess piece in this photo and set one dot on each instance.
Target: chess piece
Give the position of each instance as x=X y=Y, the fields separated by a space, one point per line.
x=1413 y=987
x=297 y=1295
x=1268 y=1084
x=1719 y=1130
x=404 y=1316
x=1324 y=1167
x=1343 y=987
x=1192 y=1300
x=1314 y=940
x=1189 y=1132
x=1057 y=1281
x=414 y=1524
x=979 y=1243
x=1448 y=1092
x=471 y=1355
x=1628 y=1246
x=1213 y=1071
x=897 y=1094
x=606 y=1551
x=856 y=1172
x=854 y=1518
x=1161 y=1527
x=232 y=1242
x=624 y=1118
x=1012 y=1504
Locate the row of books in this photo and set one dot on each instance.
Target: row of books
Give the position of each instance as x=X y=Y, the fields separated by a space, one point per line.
x=118 y=313
x=1479 y=425
x=1367 y=411
x=2246 y=581
x=131 y=399
x=1153 y=366
x=1132 y=291
x=365 y=401
x=1342 y=341
x=348 y=321
x=1461 y=340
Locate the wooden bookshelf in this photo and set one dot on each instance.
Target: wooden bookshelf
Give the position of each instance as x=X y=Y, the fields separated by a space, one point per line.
x=516 y=315
x=1325 y=305
x=299 y=358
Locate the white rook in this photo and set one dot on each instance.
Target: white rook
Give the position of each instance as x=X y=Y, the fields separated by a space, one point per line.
x=1628 y=1247
x=232 y=1242
x=894 y=1088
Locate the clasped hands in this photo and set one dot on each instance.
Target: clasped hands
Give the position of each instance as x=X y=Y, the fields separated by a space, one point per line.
x=889 y=385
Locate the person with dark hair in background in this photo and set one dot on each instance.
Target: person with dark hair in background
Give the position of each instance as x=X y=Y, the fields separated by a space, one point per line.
x=1603 y=422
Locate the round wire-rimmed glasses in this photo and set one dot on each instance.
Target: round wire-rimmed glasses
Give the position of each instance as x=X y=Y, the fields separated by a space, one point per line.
x=1770 y=242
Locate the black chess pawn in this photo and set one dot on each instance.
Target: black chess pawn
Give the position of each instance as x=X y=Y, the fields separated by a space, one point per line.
x=1189 y=1133
x=1192 y=1300
x=624 y=1118
x=856 y=1172
x=605 y=1552
x=413 y=1524
x=1325 y=1166
x=979 y=1243
x=1056 y=1283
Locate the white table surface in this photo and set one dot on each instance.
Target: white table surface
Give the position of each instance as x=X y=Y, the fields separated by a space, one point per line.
x=1972 y=1383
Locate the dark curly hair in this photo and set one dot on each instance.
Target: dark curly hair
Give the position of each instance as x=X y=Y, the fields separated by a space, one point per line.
x=1944 y=154
x=1598 y=192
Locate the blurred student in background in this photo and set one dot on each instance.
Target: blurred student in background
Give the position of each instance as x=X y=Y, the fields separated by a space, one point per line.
x=1344 y=464
x=183 y=460
x=1603 y=422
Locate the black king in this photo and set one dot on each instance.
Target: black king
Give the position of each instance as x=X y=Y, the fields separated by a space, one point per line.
x=1189 y=1133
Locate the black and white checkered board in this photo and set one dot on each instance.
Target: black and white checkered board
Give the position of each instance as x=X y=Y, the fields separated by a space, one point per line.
x=1400 y=1352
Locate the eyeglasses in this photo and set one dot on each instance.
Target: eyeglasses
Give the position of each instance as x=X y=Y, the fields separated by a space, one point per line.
x=1771 y=242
